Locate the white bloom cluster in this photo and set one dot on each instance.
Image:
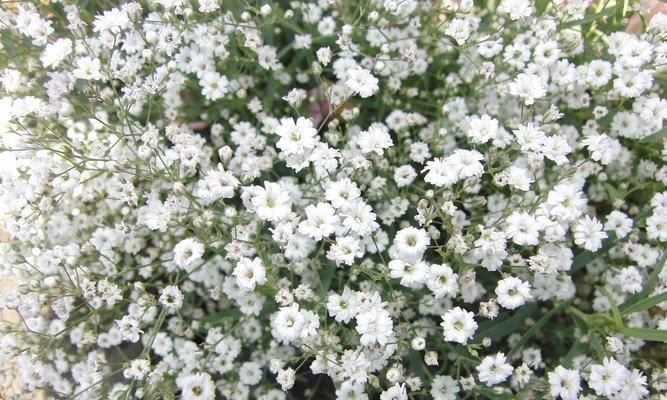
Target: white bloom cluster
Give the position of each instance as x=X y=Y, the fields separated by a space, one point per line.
x=334 y=199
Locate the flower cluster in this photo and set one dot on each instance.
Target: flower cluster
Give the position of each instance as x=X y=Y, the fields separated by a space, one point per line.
x=334 y=199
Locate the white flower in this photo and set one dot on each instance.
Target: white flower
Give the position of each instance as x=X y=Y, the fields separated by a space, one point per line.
x=208 y=6
x=271 y=202
x=522 y=228
x=618 y=222
x=564 y=383
x=444 y=387
x=322 y=221
x=285 y=378
x=287 y=323
x=411 y=243
x=341 y=192
x=396 y=392
x=588 y=233
x=517 y=9
x=187 y=252
x=608 y=378
x=530 y=137
x=250 y=373
x=349 y=390
x=519 y=177
x=376 y=139
x=171 y=297
x=467 y=163
x=410 y=274
x=602 y=148
x=529 y=87
x=404 y=175
x=214 y=86
x=635 y=386
x=129 y=328
x=494 y=369
x=458 y=325
x=343 y=307
x=440 y=172
x=598 y=73
x=358 y=217
x=296 y=137
x=88 y=68
x=442 y=280
x=630 y=279
x=345 y=250
x=459 y=29
x=362 y=82
x=54 y=53
x=482 y=129
x=295 y=97
x=512 y=292
x=197 y=386
x=138 y=369
x=375 y=326
x=216 y=184
x=656 y=225
x=249 y=273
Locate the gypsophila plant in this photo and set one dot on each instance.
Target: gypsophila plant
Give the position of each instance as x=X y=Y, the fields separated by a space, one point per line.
x=335 y=199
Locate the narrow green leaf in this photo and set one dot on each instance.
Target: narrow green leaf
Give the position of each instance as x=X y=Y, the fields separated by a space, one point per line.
x=499 y=329
x=591 y=18
x=621 y=9
x=416 y=364
x=596 y=345
x=326 y=276
x=613 y=193
x=492 y=394
x=644 y=304
x=533 y=329
x=652 y=335
x=656 y=136
x=222 y=315
x=651 y=282
x=618 y=320
x=583 y=258
x=577 y=349
x=541 y=6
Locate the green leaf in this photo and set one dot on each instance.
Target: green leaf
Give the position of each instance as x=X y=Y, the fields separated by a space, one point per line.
x=596 y=345
x=218 y=317
x=651 y=282
x=655 y=136
x=618 y=320
x=621 y=9
x=577 y=349
x=416 y=364
x=591 y=18
x=653 y=279
x=541 y=6
x=499 y=329
x=613 y=193
x=492 y=394
x=644 y=304
x=583 y=258
x=326 y=276
x=652 y=335
x=533 y=329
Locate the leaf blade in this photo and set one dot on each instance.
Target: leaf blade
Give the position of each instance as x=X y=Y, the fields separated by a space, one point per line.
x=655 y=136
x=652 y=335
